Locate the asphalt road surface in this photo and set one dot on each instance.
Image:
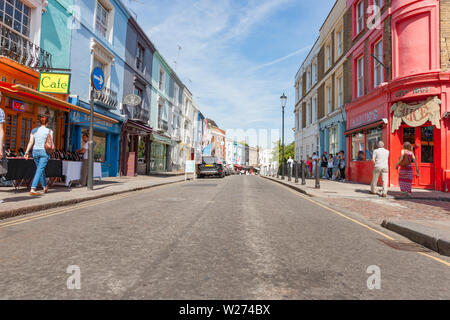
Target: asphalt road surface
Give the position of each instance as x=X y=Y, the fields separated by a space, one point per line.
x=242 y=237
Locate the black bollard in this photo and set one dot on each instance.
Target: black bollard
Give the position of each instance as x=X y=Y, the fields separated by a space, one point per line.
x=296 y=171
x=303 y=173
x=317 y=175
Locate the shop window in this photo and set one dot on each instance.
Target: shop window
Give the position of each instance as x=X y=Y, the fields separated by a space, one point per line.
x=99 y=147
x=373 y=136
x=427 y=147
x=11 y=132
x=26 y=130
x=358 y=147
x=409 y=135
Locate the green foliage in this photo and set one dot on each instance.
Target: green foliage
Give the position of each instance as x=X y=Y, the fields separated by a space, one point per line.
x=289 y=151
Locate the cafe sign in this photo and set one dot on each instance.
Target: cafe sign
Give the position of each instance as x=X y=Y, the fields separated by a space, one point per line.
x=416 y=115
x=58 y=83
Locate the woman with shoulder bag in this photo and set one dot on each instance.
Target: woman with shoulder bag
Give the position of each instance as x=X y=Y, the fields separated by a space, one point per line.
x=41 y=140
x=406 y=174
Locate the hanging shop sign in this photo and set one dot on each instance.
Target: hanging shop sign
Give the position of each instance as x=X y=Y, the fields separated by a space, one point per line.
x=54 y=82
x=416 y=115
x=18 y=105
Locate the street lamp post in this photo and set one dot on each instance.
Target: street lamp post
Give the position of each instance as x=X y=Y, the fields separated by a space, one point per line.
x=283 y=100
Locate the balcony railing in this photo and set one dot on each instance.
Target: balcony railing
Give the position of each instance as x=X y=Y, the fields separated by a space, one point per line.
x=107 y=98
x=137 y=113
x=18 y=48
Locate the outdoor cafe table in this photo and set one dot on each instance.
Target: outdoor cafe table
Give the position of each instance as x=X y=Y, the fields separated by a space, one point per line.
x=72 y=171
x=21 y=170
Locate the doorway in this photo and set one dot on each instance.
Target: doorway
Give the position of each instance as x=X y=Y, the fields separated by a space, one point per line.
x=425 y=150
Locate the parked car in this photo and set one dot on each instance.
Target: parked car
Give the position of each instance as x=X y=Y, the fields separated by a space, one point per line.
x=210 y=166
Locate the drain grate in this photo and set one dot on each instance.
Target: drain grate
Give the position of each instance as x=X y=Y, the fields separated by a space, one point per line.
x=404 y=246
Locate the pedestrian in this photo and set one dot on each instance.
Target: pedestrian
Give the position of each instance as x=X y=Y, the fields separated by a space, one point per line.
x=330 y=166
x=2 y=121
x=290 y=162
x=381 y=161
x=337 y=173
x=309 y=165
x=324 y=164
x=85 y=164
x=342 y=166
x=406 y=175
x=38 y=140
x=315 y=162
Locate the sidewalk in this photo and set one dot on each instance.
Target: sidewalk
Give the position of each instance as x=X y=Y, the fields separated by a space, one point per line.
x=18 y=203
x=424 y=218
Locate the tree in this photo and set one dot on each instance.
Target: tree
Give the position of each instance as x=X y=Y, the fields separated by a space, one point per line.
x=289 y=151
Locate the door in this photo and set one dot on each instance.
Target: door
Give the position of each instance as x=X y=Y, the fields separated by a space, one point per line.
x=424 y=148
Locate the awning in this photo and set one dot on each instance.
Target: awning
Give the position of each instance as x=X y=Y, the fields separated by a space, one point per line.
x=34 y=96
x=160 y=139
x=371 y=125
x=138 y=126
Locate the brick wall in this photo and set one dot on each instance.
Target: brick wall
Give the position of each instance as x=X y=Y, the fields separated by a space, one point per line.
x=445 y=34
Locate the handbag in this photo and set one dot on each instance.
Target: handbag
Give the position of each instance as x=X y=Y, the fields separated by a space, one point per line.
x=49 y=145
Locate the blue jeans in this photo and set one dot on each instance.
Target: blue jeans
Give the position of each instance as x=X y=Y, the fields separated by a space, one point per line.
x=40 y=159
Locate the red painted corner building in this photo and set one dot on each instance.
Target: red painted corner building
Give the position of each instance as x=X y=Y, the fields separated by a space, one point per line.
x=399 y=63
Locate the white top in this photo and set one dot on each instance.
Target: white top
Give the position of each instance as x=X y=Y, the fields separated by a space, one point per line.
x=331 y=163
x=381 y=158
x=290 y=162
x=86 y=153
x=40 y=136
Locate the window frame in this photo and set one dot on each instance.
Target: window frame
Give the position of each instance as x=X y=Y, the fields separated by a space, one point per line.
x=359 y=76
x=140 y=54
x=375 y=64
x=357 y=28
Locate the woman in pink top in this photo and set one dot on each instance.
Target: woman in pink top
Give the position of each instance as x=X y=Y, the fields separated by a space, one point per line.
x=406 y=175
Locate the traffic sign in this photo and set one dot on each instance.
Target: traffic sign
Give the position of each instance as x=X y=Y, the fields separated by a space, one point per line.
x=98 y=79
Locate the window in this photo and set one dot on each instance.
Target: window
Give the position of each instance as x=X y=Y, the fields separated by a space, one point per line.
x=308 y=78
x=360 y=79
x=378 y=3
x=358 y=146
x=139 y=92
x=161 y=79
x=378 y=76
x=300 y=90
x=314 y=71
x=333 y=139
x=427 y=144
x=101 y=20
x=308 y=113
x=16 y=14
x=340 y=91
x=328 y=51
x=99 y=147
x=139 y=57
x=176 y=96
x=314 y=109
x=360 y=16
x=99 y=64
x=340 y=42
x=330 y=99
x=373 y=136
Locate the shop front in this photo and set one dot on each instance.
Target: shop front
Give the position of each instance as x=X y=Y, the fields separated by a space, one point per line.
x=135 y=149
x=332 y=138
x=409 y=110
x=160 y=149
x=107 y=131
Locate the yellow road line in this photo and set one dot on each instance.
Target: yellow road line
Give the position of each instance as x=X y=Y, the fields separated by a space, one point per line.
x=360 y=223
x=75 y=207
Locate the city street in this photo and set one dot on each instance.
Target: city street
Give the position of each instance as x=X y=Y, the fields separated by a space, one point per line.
x=242 y=237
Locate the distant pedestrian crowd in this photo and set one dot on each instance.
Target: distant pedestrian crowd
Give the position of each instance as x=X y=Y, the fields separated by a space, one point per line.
x=331 y=167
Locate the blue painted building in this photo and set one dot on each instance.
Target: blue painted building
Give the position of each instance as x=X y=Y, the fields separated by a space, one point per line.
x=332 y=138
x=98 y=39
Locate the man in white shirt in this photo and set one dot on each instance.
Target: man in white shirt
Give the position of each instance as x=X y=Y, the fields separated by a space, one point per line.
x=381 y=161
x=85 y=152
x=315 y=159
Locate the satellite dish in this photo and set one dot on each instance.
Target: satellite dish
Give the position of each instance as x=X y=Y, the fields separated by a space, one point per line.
x=132 y=100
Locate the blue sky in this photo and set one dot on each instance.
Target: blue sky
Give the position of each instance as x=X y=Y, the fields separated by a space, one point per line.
x=237 y=56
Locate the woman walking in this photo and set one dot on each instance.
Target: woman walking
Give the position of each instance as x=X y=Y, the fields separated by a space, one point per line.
x=38 y=138
x=406 y=174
